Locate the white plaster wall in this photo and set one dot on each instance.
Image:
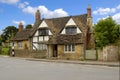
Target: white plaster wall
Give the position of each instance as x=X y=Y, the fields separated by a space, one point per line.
x=40 y=38
x=70 y=22
x=50 y=33
x=36 y=45
x=46 y=38
x=63 y=32
x=36 y=33
x=43 y=24
x=78 y=30
x=34 y=39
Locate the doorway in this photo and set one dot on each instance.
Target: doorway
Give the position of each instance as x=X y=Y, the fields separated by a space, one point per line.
x=55 y=54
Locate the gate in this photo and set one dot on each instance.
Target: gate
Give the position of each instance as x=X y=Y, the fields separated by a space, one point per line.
x=91 y=55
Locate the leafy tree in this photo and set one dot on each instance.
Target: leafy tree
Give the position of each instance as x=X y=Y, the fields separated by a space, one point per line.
x=106 y=32
x=29 y=26
x=0 y=40
x=8 y=33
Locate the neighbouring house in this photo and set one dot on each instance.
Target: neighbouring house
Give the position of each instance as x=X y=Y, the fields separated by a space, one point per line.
x=22 y=39
x=64 y=37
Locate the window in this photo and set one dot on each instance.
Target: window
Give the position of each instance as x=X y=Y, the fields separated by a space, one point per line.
x=19 y=44
x=42 y=47
x=69 y=48
x=71 y=30
x=43 y=32
x=12 y=44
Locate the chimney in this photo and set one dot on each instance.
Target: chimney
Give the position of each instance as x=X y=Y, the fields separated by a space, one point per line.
x=20 y=26
x=37 y=16
x=89 y=11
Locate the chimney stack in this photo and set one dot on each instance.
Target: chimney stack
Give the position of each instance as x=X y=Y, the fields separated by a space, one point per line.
x=37 y=16
x=89 y=11
x=20 y=26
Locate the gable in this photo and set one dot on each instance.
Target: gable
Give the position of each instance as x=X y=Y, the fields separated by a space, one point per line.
x=70 y=22
x=43 y=24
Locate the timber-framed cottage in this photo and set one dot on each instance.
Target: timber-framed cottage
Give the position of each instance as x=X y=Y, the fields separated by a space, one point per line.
x=63 y=37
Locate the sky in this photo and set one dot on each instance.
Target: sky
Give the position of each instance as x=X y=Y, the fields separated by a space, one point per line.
x=12 y=12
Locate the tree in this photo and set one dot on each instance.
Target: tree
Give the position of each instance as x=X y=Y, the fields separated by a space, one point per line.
x=106 y=31
x=0 y=40
x=29 y=26
x=8 y=33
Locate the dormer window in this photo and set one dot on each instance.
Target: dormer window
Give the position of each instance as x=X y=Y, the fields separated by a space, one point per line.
x=43 y=32
x=71 y=30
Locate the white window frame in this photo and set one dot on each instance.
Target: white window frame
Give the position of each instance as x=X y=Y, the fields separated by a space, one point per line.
x=42 y=46
x=69 y=48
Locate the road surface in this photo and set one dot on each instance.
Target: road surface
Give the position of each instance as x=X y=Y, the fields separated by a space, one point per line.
x=21 y=69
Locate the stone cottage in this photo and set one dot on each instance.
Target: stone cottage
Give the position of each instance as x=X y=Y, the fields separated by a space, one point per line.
x=63 y=37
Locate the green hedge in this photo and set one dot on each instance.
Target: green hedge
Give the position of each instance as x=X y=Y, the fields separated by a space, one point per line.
x=4 y=50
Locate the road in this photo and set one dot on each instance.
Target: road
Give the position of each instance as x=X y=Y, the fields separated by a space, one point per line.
x=21 y=69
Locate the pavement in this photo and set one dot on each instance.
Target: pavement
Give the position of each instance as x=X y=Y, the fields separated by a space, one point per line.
x=88 y=62
x=100 y=63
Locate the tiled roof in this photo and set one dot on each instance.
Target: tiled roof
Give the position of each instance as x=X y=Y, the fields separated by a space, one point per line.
x=22 y=35
x=66 y=39
x=56 y=25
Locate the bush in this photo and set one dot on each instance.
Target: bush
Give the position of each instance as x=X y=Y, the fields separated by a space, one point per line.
x=5 y=51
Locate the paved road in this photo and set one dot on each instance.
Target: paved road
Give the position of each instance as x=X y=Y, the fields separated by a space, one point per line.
x=21 y=69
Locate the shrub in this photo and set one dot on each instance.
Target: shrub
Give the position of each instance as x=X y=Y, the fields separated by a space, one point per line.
x=5 y=51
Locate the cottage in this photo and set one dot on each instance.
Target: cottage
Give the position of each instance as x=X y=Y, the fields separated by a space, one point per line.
x=63 y=37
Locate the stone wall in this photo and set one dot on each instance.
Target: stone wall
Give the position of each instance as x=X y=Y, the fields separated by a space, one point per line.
x=25 y=44
x=109 y=53
x=29 y=53
x=78 y=54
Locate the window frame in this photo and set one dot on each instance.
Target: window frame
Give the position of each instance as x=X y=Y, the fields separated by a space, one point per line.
x=43 y=32
x=42 y=46
x=19 y=44
x=69 y=48
x=71 y=30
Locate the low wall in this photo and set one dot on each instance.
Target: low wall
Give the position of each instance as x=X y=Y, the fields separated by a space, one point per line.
x=109 y=53
x=29 y=53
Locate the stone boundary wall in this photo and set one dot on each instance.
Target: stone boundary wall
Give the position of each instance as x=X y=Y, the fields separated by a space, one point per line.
x=109 y=53
x=29 y=53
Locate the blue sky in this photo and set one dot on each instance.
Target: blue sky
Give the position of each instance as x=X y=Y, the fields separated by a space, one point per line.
x=14 y=11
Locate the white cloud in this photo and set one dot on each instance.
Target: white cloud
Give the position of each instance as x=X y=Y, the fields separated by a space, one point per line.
x=18 y=22
x=23 y=5
x=45 y=12
x=30 y=10
x=104 y=11
x=9 y=1
x=116 y=17
x=118 y=7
